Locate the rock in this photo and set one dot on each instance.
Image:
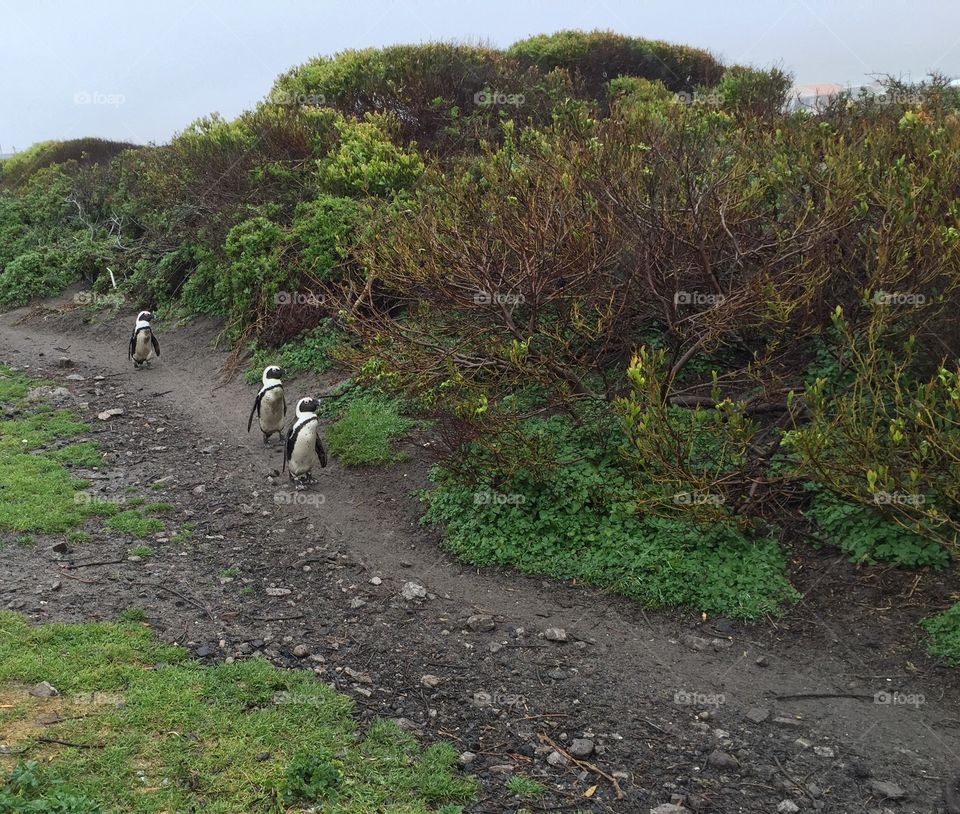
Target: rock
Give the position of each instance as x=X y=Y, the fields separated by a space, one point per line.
x=720 y=644
x=791 y=723
x=44 y=690
x=430 y=681
x=802 y=743
x=301 y=651
x=787 y=807
x=555 y=634
x=501 y=768
x=357 y=602
x=721 y=760
x=106 y=415
x=407 y=725
x=466 y=758
x=823 y=751
x=669 y=808
x=582 y=747
x=199 y=489
x=134 y=558
x=64 y=361
x=56 y=586
x=886 y=789
x=757 y=714
x=48 y=394
x=412 y=590
x=761 y=661
x=481 y=623
x=60 y=548
x=376 y=581
x=556 y=760
x=695 y=642
x=203 y=651
x=356 y=675
x=75 y=377
x=271 y=591
x=246 y=508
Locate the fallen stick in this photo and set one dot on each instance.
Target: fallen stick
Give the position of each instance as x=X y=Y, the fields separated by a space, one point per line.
x=583 y=764
x=812 y=695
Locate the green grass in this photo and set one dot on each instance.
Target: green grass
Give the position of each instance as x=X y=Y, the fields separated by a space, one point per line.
x=365 y=432
x=132 y=615
x=142 y=551
x=524 y=786
x=135 y=524
x=944 y=632
x=244 y=737
x=158 y=508
x=79 y=537
x=229 y=573
x=37 y=490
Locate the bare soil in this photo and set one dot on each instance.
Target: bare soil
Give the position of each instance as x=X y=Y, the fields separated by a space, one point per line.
x=666 y=717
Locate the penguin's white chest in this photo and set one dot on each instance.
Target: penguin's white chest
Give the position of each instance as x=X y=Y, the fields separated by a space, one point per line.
x=271 y=410
x=143 y=350
x=304 y=455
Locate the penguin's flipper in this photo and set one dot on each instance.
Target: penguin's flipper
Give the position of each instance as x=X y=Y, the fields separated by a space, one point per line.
x=133 y=345
x=321 y=452
x=284 y=399
x=256 y=409
x=288 y=449
x=156 y=345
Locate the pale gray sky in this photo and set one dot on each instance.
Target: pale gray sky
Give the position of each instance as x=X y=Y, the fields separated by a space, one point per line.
x=140 y=71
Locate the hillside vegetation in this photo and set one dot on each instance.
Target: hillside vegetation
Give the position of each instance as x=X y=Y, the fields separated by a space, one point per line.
x=663 y=326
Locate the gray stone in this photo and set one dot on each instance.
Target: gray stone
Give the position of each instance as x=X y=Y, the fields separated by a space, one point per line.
x=466 y=758
x=886 y=789
x=791 y=723
x=582 y=747
x=412 y=590
x=757 y=714
x=301 y=651
x=556 y=759
x=44 y=690
x=787 y=807
x=669 y=808
x=481 y=623
x=555 y=634
x=721 y=760
x=695 y=642
x=823 y=751
x=278 y=591
x=430 y=681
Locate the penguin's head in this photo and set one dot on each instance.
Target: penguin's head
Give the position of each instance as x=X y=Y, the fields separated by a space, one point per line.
x=307 y=406
x=144 y=316
x=273 y=372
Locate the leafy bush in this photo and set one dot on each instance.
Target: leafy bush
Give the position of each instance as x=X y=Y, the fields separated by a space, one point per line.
x=313 y=352
x=748 y=92
x=944 y=631
x=558 y=502
x=322 y=227
x=38 y=273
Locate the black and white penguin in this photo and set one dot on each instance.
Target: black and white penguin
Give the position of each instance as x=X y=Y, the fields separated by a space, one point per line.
x=143 y=344
x=304 y=447
x=270 y=406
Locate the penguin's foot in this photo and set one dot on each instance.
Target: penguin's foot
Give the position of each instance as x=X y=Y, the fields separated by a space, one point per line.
x=266 y=438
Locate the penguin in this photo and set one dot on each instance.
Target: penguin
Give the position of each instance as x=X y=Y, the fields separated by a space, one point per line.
x=303 y=447
x=270 y=406
x=141 y=340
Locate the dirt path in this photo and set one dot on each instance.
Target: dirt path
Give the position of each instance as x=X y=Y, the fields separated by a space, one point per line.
x=663 y=698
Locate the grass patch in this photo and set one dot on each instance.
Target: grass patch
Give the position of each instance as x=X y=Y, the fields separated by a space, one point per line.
x=313 y=352
x=199 y=734
x=158 y=508
x=132 y=615
x=568 y=510
x=944 y=632
x=365 y=432
x=142 y=551
x=524 y=786
x=135 y=523
x=79 y=537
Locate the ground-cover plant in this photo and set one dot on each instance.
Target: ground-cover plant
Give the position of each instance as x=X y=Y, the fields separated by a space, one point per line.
x=365 y=432
x=944 y=632
x=172 y=735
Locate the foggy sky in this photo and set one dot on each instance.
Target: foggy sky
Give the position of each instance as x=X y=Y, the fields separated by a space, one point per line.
x=139 y=71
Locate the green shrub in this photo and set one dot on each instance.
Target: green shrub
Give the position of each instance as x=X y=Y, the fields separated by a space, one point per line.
x=38 y=273
x=944 y=631
x=312 y=352
x=322 y=227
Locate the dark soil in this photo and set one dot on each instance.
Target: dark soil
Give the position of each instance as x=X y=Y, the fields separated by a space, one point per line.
x=657 y=708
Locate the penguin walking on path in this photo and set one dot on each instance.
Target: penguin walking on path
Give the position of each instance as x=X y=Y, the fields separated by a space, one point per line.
x=304 y=447
x=143 y=344
x=270 y=406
